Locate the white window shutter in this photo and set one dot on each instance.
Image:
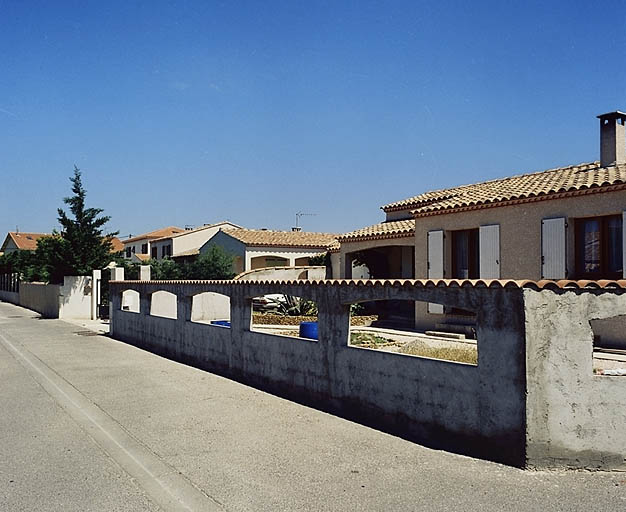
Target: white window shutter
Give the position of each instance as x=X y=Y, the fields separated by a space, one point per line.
x=553 y=257
x=489 y=246
x=624 y=244
x=435 y=263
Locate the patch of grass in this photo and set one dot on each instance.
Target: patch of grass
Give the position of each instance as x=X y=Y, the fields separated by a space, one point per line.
x=457 y=354
x=368 y=340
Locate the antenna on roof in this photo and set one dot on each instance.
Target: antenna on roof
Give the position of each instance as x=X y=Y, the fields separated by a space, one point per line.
x=298 y=215
x=17 y=230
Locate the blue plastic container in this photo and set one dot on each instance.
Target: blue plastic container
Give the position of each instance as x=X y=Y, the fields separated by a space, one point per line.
x=221 y=323
x=308 y=330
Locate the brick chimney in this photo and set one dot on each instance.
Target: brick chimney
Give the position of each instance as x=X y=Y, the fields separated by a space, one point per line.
x=612 y=138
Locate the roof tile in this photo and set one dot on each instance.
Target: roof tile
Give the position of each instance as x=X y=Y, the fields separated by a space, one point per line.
x=264 y=237
x=563 y=179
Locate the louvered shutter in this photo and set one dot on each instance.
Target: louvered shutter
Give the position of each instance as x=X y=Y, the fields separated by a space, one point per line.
x=489 y=247
x=435 y=263
x=553 y=257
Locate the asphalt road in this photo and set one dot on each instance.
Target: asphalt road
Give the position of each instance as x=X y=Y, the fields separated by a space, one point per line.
x=89 y=423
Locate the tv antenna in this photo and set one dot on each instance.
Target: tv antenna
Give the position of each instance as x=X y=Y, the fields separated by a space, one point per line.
x=298 y=216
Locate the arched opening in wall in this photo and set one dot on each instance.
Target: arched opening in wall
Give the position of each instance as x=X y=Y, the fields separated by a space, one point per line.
x=609 y=346
x=130 y=301
x=268 y=261
x=211 y=308
x=447 y=336
x=164 y=304
x=285 y=315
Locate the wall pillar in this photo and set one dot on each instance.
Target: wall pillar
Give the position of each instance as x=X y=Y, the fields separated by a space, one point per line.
x=96 y=276
x=144 y=272
x=240 y=322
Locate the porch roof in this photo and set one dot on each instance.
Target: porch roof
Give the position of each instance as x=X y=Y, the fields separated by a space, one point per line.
x=381 y=231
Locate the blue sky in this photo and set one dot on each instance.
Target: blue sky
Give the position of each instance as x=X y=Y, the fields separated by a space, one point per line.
x=193 y=112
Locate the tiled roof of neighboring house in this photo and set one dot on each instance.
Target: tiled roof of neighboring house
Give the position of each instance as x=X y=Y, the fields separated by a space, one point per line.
x=182 y=254
x=141 y=257
x=157 y=233
x=553 y=183
x=23 y=241
x=265 y=237
x=117 y=244
x=206 y=226
x=391 y=229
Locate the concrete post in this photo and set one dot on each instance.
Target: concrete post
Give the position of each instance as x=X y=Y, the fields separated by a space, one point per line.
x=183 y=312
x=144 y=303
x=96 y=276
x=240 y=322
x=144 y=273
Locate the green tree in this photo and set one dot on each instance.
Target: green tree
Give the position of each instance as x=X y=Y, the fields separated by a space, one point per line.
x=213 y=264
x=81 y=246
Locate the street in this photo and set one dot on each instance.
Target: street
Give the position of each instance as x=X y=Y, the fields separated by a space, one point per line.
x=89 y=423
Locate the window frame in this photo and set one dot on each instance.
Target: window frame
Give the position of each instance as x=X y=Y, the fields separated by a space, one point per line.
x=603 y=273
x=473 y=253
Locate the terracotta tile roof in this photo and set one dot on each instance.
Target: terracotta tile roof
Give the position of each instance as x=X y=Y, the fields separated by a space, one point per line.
x=24 y=241
x=157 y=233
x=408 y=283
x=391 y=229
x=141 y=257
x=201 y=228
x=116 y=244
x=182 y=254
x=553 y=183
x=264 y=237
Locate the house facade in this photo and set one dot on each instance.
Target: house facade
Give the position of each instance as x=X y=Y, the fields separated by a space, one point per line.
x=564 y=223
x=187 y=244
x=142 y=244
x=17 y=241
x=260 y=248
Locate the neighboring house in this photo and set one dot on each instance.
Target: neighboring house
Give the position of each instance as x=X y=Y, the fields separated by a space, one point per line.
x=187 y=244
x=259 y=248
x=142 y=244
x=116 y=245
x=16 y=241
x=564 y=223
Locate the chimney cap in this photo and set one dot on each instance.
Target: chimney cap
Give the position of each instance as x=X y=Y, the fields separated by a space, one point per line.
x=612 y=115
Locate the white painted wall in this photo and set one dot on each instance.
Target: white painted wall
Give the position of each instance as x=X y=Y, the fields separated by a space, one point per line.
x=75 y=297
x=210 y=306
x=198 y=237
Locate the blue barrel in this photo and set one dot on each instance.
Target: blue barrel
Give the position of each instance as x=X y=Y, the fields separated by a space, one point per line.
x=221 y=323
x=308 y=330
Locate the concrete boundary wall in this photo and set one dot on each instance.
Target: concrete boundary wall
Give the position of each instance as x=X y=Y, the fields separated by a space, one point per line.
x=494 y=410
x=72 y=299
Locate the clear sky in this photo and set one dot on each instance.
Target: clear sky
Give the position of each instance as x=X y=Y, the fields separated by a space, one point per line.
x=193 y=112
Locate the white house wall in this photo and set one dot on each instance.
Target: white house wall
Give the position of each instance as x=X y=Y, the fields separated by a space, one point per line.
x=196 y=239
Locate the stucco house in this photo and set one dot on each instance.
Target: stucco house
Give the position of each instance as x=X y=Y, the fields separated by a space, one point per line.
x=259 y=248
x=16 y=241
x=142 y=244
x=563 y=223
x=187 y=244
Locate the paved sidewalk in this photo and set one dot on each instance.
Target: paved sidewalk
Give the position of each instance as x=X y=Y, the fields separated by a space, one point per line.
x=90 y=423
